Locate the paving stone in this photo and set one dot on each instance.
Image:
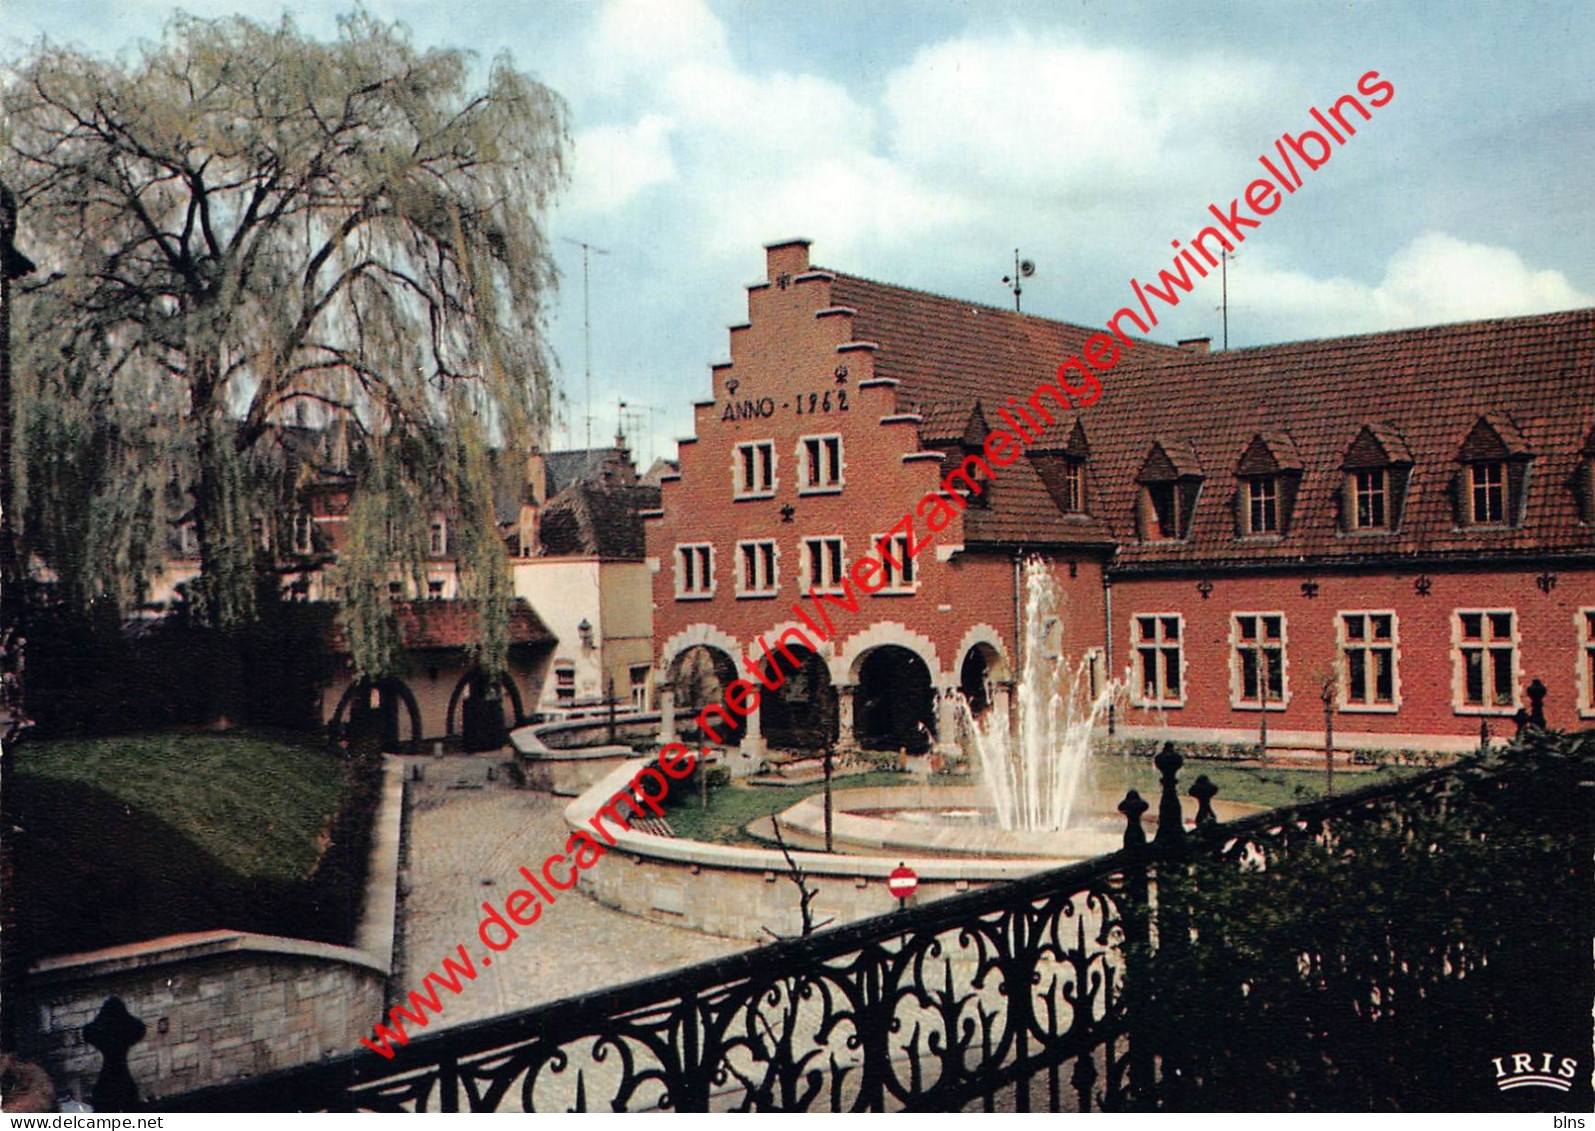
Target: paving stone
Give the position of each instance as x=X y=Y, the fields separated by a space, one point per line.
x=458 y=838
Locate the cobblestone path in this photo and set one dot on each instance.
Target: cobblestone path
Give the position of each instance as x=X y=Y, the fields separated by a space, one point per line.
x=465 y=830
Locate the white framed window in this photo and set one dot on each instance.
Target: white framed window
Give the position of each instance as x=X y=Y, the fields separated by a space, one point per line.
x=188 y=540
x=823 y=561
x=1586 y=663
x=1257 y=661
x=434 y=588
x=1262 y=505
x=1487 y=493
x=1368 y=678
x=820 y=465
x=755 y=470
x=1370 y=496
x=694 y=571
x=304 y=533
x=565 y=683
x=898 y=567
x=1484 y=655
x=1159 y=659
x=437 y=539
x=639 y=674
x=756 y=569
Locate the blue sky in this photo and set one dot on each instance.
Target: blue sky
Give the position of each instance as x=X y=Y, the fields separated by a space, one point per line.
x=920 y=143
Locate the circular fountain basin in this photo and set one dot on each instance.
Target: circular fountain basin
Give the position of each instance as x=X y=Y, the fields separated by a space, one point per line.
x=956 y=821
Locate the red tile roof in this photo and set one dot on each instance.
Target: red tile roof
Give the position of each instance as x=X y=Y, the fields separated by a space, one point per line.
x=440 y=626
x=1418 y=393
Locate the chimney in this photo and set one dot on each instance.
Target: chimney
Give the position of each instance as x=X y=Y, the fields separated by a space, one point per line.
x=536 y=479
x=786 y=259
x=1196 y=345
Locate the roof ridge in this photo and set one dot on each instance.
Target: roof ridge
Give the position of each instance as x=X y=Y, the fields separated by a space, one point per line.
x=1019 y=314
x=1541 y=318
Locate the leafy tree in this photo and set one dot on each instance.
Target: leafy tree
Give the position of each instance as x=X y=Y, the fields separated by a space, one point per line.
x=239 y=224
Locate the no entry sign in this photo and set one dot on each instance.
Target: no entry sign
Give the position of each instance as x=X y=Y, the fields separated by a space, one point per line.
x=902 y=882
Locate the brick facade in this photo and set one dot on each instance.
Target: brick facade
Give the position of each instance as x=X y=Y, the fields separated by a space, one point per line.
x=1418 y=481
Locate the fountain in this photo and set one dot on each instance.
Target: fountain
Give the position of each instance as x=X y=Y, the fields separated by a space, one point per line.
x=1034 y=770
x=1035 y=799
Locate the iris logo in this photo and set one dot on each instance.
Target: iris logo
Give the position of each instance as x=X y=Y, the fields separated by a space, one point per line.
x=1525 y=1073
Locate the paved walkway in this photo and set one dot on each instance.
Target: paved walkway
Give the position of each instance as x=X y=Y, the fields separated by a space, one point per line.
x=467 y=838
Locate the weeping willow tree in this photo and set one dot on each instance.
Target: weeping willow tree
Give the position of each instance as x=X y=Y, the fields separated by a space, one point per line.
x=238 y=224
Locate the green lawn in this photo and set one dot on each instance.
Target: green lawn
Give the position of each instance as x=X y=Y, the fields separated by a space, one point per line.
x=732 y=807
x=132 y=837
x=255 y=804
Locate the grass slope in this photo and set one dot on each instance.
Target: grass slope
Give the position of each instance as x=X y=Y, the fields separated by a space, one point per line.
x=133 y=837
x=255 y=804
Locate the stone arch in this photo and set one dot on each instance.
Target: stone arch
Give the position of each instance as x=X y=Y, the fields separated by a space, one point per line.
x=802 y=713
x=506 y=683
x=985 y=634
x=845 y=665
x=894 y=700
x=694 y=634
x=394 y=693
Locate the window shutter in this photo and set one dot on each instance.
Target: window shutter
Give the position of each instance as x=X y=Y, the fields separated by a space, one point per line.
x=1237 y=508
x=1458 y=490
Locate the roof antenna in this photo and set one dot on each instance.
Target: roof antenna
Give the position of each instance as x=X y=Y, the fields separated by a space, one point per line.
x=1224 y=256
x=1022 y=269
x=587 y=329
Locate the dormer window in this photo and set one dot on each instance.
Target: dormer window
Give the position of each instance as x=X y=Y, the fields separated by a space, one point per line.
x=1489 y=493
x=1370 y=491
x=1072 y=488
x=1491 y=484
x=1171 y=481
x=1062 y=468
x=1262 y=506
x=1376 y=467
x=1269 y=471
x=1584 y=481
x=1163 y=500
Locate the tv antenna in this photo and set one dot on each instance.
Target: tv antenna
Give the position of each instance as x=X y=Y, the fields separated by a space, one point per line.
x=587 y=329
x=1022 y=269
x=1224 y=256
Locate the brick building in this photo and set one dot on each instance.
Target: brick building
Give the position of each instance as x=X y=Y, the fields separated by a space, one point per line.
x=1402 y=522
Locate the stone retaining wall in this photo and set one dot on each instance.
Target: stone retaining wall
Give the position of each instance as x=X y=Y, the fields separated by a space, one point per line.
x=222 y=1005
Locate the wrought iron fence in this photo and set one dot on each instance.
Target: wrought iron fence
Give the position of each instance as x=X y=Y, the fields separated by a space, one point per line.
x=1306 y=957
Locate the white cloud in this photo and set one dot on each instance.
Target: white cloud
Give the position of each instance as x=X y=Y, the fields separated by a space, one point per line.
x=1027 y=114
x=1435 y=278
x=642 y=38
x=615 y=163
